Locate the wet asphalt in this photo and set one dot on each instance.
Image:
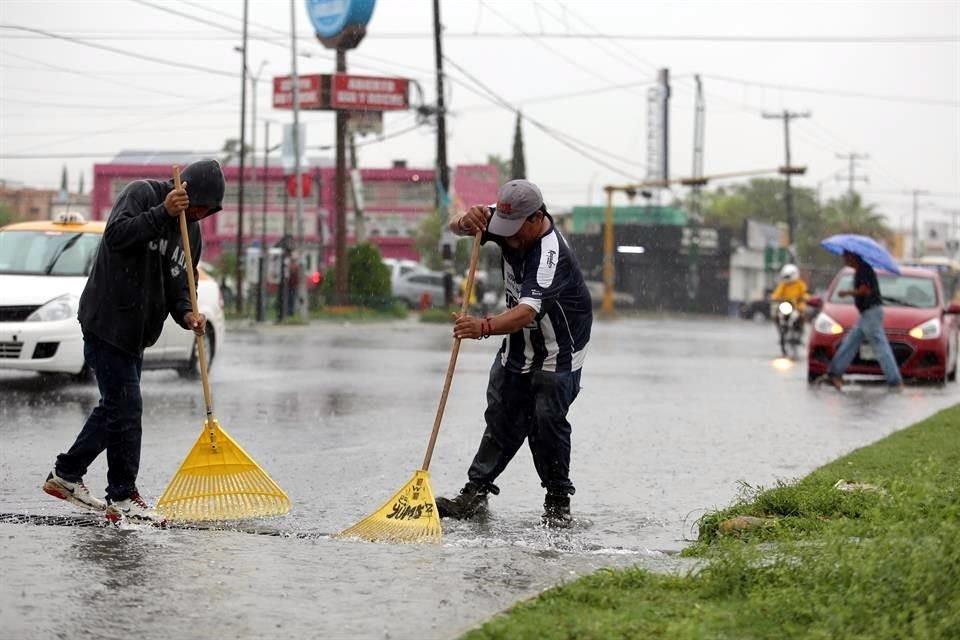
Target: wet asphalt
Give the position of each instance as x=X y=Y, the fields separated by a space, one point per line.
x=673 y=415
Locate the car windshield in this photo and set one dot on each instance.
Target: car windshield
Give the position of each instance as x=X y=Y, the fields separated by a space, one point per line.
x=54 y=252
x=902 y=291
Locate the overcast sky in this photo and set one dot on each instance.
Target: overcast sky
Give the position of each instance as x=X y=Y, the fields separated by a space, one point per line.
x=879 y=78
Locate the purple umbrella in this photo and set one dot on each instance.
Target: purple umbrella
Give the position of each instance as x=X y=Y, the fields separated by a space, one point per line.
x=871 y=251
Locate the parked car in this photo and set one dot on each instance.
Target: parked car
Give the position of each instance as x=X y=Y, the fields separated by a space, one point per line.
x=401 y=266
x=920 y=324
x=757 y=310
x=43 y=269
x=411 y=287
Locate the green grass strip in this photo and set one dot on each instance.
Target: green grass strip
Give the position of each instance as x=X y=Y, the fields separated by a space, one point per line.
x=878 y=562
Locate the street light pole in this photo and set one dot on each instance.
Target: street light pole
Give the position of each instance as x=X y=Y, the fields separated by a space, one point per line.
x=254 y=79
x=243 y=153
x=298 y=169
x=261 y=307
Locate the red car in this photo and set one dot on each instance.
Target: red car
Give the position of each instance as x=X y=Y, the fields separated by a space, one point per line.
x=920 y=325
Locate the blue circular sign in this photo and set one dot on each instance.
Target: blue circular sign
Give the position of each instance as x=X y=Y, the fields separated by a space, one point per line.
x=330 y=17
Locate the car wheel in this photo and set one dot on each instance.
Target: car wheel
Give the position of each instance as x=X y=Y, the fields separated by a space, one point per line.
x=192 y=369
x=758 y=316
x=812 y=377
x=952 y=375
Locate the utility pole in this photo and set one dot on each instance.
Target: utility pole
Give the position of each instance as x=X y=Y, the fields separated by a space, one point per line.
x=443 y=172
x=699 y=124
x=298 y=169
x=253 y=166
x=952 y=244
x=852 y=177
x=340 y=193
x=915 y=231
x=264 y=253
x=243 y=155
x=787 y=170
x=356 y=187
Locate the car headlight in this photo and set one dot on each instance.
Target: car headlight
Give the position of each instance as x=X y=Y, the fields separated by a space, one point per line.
x=826 y=324
x=926 y=331
x=60 y=308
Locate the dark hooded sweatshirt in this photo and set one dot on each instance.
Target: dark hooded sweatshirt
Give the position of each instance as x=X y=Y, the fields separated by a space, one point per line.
x=138 y=276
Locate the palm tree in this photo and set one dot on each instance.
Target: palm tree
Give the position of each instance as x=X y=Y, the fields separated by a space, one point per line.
x=848 y=214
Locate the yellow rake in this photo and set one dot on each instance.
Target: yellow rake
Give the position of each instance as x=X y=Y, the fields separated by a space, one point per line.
x=217 y=480
x=411 y=514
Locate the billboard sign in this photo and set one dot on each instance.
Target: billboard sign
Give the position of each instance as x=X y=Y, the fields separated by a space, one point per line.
x=658 y=100
x=368 y=93
x=330 y=17
x=311 y=94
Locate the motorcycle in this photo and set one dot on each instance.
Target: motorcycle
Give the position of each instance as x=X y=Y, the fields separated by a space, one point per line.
x=790 y=327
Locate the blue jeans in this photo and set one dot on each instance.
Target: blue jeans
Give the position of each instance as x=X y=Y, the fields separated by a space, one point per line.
x=533 y=407
x=869 y=327
x=115 y=424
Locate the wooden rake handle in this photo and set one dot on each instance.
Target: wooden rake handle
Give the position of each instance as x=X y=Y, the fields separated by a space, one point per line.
x=191 y=281
x=454 y=352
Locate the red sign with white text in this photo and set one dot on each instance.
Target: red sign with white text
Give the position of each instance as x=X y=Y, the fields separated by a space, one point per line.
x=310 y=94
x=368 y=93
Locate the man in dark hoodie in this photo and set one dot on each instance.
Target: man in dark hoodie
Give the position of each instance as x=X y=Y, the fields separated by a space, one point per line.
x=138 y=278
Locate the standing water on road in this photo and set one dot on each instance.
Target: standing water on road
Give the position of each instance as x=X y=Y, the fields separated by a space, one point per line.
x=673 y=413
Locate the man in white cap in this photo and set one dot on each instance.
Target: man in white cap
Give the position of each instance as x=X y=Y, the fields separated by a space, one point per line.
x=536 y=374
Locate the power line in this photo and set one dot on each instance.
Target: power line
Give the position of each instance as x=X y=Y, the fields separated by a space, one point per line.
x=101 y=34
x=114 y=107
x=130 y=54
x=105 y=154
x=94 y=75
x=566 y=140
x=677 y=37
x=521 y=102
x=599 y=41
x=526 y=34
x=836 y=92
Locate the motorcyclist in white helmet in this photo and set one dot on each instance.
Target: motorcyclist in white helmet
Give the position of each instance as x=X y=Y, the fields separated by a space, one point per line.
x=793 y=289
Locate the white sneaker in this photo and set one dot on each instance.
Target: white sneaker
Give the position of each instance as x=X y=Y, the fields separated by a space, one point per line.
x=73 y=492
x=134 y=509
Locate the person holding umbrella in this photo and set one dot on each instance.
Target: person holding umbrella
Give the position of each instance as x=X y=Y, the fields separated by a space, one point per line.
x=858 y=252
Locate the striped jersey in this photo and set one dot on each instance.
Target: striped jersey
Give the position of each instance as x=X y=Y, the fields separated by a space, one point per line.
x=546 y=277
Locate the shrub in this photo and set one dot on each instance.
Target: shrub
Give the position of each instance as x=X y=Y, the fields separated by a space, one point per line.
x=368 y=279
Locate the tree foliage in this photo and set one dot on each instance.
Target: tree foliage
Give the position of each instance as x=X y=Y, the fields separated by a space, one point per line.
x=368 y=279
x=761 y=199
x=6 y=214
x=504 y=167
x=518 y=163
x=427 y=242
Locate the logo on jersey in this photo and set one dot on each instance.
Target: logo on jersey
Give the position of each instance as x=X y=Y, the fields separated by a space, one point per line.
x=551 y=258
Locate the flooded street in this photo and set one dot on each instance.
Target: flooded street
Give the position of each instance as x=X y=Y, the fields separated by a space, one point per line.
x=673 y=413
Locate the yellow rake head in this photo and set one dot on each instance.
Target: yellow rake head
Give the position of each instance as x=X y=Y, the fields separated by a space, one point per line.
x=219 y=481
x=409 y=516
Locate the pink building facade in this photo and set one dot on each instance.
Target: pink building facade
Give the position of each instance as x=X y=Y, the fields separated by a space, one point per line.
x=395 y=202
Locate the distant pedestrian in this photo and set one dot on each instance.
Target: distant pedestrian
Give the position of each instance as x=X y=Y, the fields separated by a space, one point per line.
x=293 y=284
x=536 y=374
x=866 y=296
x=138 y=278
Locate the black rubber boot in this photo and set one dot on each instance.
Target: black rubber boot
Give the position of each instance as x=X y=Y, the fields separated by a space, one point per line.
x=470 y=503
x=556 y=512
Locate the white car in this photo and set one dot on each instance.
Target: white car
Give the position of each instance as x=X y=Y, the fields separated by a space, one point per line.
x=400 y=267
x=43 y=269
